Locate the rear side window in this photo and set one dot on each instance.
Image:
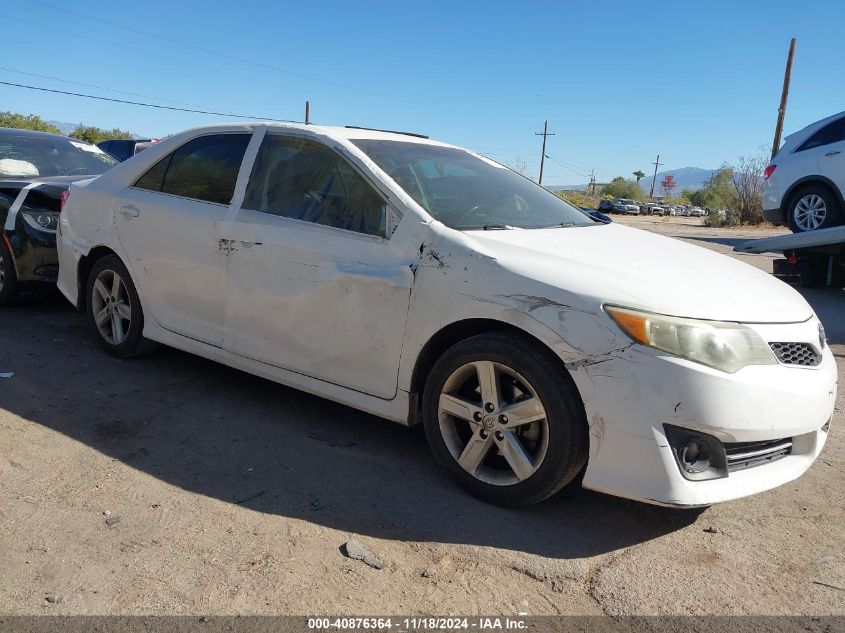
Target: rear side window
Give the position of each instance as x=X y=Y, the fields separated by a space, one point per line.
x=205 y=168
x=830 y=133
x=305 y=180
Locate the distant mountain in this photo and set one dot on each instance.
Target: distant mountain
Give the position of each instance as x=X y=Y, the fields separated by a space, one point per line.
x=685 y=177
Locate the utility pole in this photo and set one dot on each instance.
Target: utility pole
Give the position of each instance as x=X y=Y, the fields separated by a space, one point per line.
x=544 y=134
x=307 y=112
x=783 y=96
x=592 y=182
x=656 y=164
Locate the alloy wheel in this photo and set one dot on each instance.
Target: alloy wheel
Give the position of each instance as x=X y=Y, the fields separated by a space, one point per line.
x=111 y=307
x=810 y=212
x=493 y=423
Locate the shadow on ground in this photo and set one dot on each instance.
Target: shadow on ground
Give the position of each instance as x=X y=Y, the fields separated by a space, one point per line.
x=222 y=433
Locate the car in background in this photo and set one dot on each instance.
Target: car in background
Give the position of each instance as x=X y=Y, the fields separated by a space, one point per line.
x=697 y=212
x=804 y=184
x=654 y=209
x=122 y=149
x=423 y=283
x=36 y=170
x=606 y=206
x=625 y=205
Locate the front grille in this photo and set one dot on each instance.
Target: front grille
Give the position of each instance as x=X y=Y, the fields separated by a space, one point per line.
x=742 y=455
x=801 y=354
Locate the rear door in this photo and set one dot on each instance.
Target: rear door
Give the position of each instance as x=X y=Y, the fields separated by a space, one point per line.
x=169 y=224
x=832 y=154
x=315 y=284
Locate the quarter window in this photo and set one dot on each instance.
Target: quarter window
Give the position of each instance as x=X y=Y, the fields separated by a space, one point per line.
x=830 y=133
x=305 y=180
x=205 y=168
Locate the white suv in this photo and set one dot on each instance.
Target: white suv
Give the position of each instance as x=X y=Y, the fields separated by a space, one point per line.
x=805 y=182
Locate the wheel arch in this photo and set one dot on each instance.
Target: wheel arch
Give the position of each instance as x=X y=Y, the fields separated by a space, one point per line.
x=86 y=263
x=456 y=332
x=814 y=179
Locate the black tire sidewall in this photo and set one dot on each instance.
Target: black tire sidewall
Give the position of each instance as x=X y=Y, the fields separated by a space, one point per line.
x=8 y=292
x=134 y=338
x=833 y=212
x=568 y=432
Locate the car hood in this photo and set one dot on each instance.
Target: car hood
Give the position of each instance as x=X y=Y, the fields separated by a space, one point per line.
x=626 y=266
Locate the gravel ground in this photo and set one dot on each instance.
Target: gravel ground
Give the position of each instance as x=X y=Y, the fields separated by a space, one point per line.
x=170 y=484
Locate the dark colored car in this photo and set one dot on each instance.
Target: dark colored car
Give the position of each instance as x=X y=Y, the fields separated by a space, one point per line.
x=36 y=170
x=122 y=149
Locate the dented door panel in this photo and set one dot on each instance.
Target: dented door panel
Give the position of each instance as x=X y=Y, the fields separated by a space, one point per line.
x=326 y=303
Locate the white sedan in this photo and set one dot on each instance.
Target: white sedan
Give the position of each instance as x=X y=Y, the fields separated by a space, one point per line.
x=422 y=282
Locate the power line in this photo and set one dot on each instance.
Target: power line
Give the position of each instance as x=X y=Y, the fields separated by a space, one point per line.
x=146 y=105
x=568 y=167
x=79 y=83
x=234 y=58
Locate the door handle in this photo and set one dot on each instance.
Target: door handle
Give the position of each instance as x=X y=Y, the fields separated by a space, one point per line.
x=833 y=153
x=128 y=211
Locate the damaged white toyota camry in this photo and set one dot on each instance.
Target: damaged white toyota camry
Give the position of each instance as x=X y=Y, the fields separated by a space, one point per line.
x=422 y=282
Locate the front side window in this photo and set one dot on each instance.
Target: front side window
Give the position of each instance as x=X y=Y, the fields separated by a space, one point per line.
x=831 y=133
x=305 y=180
x=466 y=191
x=205 y=168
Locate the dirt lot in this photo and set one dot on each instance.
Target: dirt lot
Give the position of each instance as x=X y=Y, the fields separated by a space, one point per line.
x=229 y=494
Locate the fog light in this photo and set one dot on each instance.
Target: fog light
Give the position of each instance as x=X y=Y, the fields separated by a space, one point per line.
x=699 y=456
x=695 y=456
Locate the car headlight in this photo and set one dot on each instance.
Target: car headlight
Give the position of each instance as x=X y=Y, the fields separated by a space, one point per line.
x=41 y=220
x=723 y=345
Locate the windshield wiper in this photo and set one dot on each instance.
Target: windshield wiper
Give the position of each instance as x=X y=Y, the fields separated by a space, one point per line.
x=496 y=227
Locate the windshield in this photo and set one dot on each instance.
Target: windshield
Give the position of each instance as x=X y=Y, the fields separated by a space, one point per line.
x=33 y=156
x=466 y=191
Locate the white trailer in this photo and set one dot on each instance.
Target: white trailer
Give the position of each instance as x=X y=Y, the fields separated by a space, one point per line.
x=815 y=258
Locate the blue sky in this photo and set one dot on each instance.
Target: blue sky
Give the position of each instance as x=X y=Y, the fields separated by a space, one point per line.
x=619 y=82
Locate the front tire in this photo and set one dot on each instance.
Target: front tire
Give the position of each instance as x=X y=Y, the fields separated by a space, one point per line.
x=114 y=309
x=8 y=276
x=811 y=208
x=503 y=417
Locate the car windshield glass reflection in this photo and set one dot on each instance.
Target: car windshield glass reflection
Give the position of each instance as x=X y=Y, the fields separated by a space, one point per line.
x=30 y=157
x=466 y=191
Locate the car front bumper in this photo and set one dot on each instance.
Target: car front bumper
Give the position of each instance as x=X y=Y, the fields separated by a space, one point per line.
x=630 y=398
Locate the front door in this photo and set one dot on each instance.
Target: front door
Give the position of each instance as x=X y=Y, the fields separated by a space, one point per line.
x=315 y=286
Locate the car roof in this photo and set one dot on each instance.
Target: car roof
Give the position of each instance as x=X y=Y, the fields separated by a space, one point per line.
x=806 y=132
x=9 y=132
x=333 y=132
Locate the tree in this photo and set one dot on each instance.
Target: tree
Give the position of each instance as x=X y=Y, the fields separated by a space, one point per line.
x=96 y=135
x=668 y=184
x=639 y=175
x=621 y=188
x=748 y=182
x=27 y=122
x=718 y=192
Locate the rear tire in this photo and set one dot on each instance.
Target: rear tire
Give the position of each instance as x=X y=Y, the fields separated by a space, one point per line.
x=503 y=417
x=8 y=276
x=811 y=208
x=114 y=309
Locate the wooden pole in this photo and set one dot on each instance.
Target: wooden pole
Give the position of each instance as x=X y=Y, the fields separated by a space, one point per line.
x=787 y=75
